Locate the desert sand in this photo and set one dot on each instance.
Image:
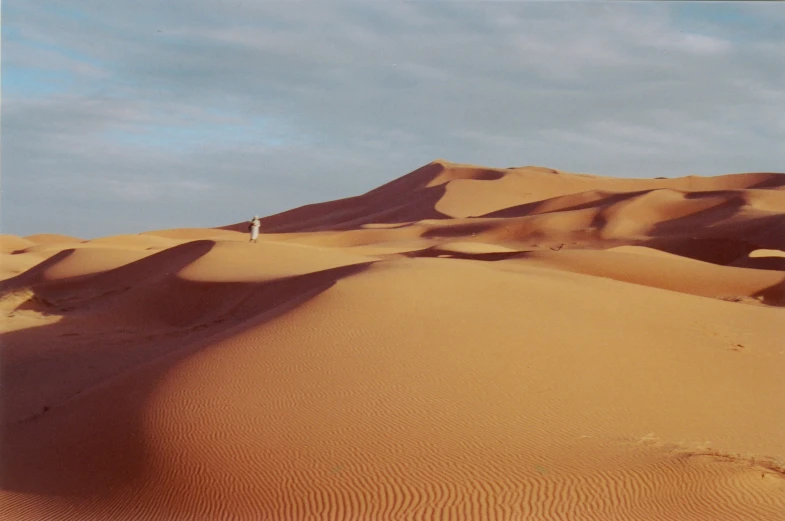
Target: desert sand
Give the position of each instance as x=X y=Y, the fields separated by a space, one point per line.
x=460 y=343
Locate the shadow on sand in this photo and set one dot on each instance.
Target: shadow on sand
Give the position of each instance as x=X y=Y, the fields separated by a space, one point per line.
x=82 y=438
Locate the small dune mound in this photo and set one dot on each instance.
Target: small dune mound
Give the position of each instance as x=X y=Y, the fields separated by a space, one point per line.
x=13 y=265
x=85 y=261
x=186 y=234
x=12 y=243
x=747 y=181
x=466 y=250
x=570 y=202
x=141 y=241
x=35 y=274
x=475 y=248
x=762 y=259
x=240 y=262
x=642 y=250
x=48 y=238
x=763 y=253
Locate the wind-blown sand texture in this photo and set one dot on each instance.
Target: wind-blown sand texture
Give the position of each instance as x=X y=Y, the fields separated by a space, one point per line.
x=461 y=343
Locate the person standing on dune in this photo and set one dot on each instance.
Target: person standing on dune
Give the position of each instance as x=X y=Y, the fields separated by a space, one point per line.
x=253 y=227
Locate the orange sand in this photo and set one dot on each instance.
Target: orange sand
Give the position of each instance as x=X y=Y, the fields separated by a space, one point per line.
x=460 y=343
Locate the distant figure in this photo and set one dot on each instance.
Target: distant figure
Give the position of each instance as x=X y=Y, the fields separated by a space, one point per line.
x=254 y=226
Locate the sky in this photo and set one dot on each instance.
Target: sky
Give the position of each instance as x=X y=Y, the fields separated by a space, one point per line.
x=123 y=117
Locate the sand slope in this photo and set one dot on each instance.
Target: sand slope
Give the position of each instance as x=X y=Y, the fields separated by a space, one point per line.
x=461 y=343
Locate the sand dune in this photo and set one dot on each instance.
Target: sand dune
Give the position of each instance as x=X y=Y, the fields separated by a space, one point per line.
x=52 y=238
x=674 y=273
x=762 y=259
x=12 y=243
x=443 y=190
x=460 y=343
x=715 y=219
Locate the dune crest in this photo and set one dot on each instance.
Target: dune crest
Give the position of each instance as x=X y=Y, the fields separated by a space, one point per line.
x=460 y=343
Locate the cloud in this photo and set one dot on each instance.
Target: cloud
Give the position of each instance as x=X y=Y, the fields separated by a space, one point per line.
x=156 y=190
x=163 y=114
